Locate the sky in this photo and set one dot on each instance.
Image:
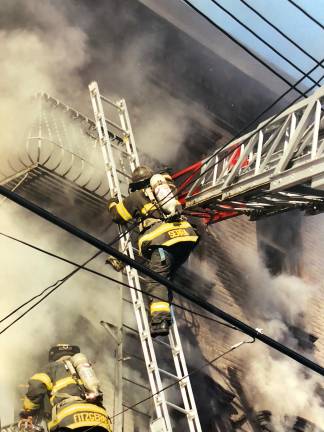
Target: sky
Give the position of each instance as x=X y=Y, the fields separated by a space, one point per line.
x=284 y=15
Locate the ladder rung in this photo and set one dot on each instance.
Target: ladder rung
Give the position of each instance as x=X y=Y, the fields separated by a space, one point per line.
x=121 y=150
x=176 y=407
x=162 y=343
x=130 y=328
x=136 y=383
x=171 y=375
x=110 y=102
x=115 y=125
x=124 y=174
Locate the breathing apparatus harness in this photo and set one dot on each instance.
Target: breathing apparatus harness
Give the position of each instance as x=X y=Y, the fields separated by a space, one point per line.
x=85 y=378
x=159 y=191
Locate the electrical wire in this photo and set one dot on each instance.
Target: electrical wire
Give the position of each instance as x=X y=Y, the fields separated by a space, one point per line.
x=210 y=362
x=179 y=289
x=279 y=31
x=307 y=14
x=55 y=286
x=52 y=288
x=246 y=27
x=233 y=39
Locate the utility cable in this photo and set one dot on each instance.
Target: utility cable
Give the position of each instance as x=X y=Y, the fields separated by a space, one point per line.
x=179 y=289
x=82 y=267
x=52 y=288
x=203 y=366
x=246 y=27
x=280 y=31
x=307 y=14
x=233 y=39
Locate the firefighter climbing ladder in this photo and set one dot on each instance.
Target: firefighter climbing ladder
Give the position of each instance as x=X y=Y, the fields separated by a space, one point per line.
x=121 y=158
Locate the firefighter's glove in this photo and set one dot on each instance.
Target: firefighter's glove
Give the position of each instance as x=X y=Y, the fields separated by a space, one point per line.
x=26 y=422
x=115 y=263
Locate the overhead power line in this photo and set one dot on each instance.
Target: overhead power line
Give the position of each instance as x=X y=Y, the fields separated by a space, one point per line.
x=242 y=131
x=252 y=54
x=203 y=366
x=280 y=31
x=157 y=277
x=49 y=290
x=307 y=14
x=54 y=286
x=261 y=39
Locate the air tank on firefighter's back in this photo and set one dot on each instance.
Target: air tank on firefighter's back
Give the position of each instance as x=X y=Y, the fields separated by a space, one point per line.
x=164 y=195
x=87 y=374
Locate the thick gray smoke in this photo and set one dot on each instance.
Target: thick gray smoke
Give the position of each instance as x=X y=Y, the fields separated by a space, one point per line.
x=50 y=46
x=276 y=304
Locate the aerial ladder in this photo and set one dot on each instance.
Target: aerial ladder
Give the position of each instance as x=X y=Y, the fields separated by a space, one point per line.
x=121 y=158
x=276 y=167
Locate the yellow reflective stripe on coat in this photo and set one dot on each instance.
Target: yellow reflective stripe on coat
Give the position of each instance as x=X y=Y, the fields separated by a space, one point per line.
x=163 y=229
x=123 y=212
x=29 y=405
x=104 y=425
x=64 y=382
x=148 y=208
x=44 y=378
x=159 y=307
x=61 y=384
x=182 y=239
x=72 y=409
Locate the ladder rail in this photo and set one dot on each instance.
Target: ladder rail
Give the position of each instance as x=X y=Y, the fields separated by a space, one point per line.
x=117 y=178
x=282 y=152
x=132 y=274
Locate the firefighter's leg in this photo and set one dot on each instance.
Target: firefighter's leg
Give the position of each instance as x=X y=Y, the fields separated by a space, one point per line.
x=161 y=261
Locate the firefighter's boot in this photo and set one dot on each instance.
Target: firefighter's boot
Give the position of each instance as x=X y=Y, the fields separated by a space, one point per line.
x=160 y=318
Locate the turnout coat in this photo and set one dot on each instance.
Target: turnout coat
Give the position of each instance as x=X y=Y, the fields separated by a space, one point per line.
x=59 y=396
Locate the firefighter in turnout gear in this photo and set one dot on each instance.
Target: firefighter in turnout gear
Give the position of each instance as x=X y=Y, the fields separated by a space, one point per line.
x=65 y=393
x=166 y=238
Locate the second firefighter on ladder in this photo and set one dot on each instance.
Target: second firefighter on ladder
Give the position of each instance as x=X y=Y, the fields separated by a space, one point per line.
x=166 y=238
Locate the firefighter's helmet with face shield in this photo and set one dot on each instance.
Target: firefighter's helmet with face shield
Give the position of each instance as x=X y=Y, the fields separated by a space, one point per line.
x=61 y=350
x=140 y=176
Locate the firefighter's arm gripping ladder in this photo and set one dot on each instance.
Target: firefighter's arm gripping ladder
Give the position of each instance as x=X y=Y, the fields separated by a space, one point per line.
x=274 y=168
x=121 y=158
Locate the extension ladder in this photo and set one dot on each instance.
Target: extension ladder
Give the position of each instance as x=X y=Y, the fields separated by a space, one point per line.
x=121 y=158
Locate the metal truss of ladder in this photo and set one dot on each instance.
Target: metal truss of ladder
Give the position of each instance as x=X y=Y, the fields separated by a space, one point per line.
x=279 y=165
x=121 y=158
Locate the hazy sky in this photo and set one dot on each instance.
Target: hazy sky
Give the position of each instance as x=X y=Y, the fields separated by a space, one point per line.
x=284 y=15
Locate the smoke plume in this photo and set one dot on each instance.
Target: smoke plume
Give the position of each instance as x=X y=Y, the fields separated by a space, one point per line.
x=277 y=304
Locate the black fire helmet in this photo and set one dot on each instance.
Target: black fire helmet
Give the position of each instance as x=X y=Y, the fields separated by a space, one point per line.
x=140 y=177
x=60 y=350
